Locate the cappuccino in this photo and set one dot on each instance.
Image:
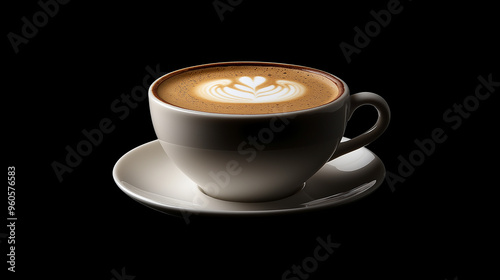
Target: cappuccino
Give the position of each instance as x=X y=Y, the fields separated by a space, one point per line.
x=248 y=88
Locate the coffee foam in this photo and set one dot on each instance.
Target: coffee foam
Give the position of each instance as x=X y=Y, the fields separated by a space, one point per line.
x=247 y=89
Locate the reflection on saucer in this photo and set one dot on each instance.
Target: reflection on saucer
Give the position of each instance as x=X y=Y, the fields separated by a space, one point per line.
x=147 y=175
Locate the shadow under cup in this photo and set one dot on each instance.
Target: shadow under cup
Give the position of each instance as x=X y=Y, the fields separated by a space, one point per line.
x=252 y=158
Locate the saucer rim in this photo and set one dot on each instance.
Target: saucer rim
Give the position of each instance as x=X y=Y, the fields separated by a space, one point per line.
x=178 y=210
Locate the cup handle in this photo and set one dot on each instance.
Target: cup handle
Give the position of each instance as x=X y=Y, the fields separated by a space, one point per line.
x=384 y=116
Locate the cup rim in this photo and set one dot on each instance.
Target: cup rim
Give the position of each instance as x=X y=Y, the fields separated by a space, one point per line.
x=342 y=86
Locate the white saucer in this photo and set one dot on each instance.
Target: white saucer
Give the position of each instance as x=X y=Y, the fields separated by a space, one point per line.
x=147 y=175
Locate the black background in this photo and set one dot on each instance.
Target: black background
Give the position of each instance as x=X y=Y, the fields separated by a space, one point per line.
x=437 y=224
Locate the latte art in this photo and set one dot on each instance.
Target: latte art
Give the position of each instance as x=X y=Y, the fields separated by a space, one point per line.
x=250 y=90
x=247 y=88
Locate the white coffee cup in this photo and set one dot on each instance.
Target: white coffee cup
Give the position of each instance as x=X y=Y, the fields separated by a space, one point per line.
x=260 y=157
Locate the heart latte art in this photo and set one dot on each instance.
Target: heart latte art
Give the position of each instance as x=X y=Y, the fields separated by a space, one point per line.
x=247 y=88
x=250 y=90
